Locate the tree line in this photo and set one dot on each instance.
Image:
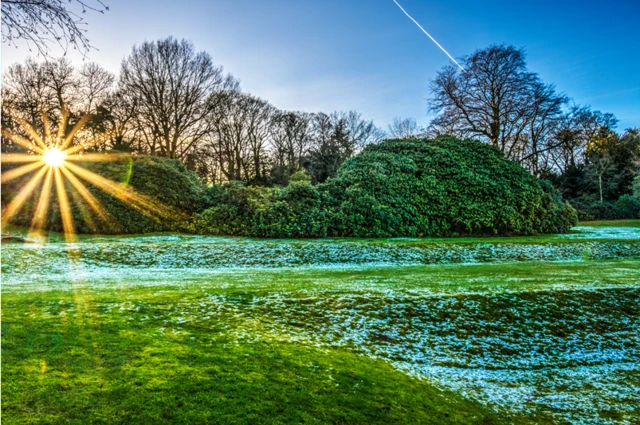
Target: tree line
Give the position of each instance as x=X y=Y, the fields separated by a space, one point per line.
x=497 y=99
x=171 y=100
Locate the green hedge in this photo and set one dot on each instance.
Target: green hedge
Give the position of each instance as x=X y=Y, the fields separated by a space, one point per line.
x=588 y=208
x=175 y=191
x=442 y=187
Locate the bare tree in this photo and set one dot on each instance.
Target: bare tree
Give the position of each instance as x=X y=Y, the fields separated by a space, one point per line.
x=575 y=130
x=495 y=99
x=544 y=117
x=172 y=86
x=337 y=137
x=240 y=128
x=26 y=92
x=34 y=90
x=43 y=22
x=95 y=84
x=598 y=166
x=118 y=117
x=359 y=132
x=259 y=121
x=291 y=139
x=405 y=128
x=62 y=80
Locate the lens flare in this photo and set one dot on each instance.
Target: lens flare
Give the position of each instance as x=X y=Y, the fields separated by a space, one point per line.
x=54 y=157
x=51 y=159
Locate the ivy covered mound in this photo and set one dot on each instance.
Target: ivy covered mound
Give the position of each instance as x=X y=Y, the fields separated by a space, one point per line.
x=165 y=196
x=398 y=188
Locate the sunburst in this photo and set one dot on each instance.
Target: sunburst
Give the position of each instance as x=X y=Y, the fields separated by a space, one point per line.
x=53 y=158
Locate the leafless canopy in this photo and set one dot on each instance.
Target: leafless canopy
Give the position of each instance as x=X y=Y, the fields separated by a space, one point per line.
x=43 y=22
x=498 y=100
x=174 y=89
x=405 y=128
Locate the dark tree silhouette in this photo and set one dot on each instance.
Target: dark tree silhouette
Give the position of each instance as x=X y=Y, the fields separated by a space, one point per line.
x=172 y=87
x=498 y=100
x=44 y=22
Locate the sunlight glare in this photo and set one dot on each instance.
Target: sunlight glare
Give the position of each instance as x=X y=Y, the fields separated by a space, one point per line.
x=54 y=157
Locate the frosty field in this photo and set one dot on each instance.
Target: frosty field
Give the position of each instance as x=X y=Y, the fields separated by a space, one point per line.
x=191 y=329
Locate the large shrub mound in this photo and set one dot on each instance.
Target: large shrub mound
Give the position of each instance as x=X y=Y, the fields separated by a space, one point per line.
x=442 y=187
x=165 y=184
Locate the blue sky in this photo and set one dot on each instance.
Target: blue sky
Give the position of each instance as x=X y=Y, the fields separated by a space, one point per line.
x=366 y=55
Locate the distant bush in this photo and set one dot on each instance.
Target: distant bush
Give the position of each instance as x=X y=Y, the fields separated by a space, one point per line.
x=166 y=183
x=628 y=206
x=442 y=187
x=588 y=208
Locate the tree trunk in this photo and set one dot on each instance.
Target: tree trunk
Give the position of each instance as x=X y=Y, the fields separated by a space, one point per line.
x=600 y=183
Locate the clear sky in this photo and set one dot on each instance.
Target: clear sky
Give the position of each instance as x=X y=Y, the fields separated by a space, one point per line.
x=367 y=55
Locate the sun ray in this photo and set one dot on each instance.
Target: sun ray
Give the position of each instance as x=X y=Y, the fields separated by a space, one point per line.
x=62 y=126
x=32 y=133
x=67 y=141
x=84 y=192
x=18 y=157
x=46 y=125
x=86 y=145
x=141 y=203
x=42 y=208
x=20 y=171
x=65 y=209
x=22 y=196
x=22 y=141
x=53 y=160
x=83 y=210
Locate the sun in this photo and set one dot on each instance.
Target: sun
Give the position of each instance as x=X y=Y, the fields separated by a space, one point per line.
x=54 y=157
x=51 y=160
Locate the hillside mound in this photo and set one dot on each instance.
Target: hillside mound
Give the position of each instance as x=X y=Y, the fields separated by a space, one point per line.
x=443 y=187
x=147 y=194
x=398 y=188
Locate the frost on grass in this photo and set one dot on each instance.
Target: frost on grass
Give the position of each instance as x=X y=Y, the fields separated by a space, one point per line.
x=574 y=355
x=567 y=345
x=163 y=253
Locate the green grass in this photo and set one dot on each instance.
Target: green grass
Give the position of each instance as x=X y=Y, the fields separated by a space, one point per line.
x=239 y=345
x=94 y=365
x=72 y=356
x=539 y=239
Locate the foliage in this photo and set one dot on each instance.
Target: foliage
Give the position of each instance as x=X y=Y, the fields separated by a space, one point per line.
x=166 y=183
x=442 y=187
x=589 y=208
x=628 y=207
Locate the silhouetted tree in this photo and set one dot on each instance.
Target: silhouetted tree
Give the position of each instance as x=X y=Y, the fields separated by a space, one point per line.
x=291 y=139
x=496 y=99
x=405 y=128
x=43 y=22
x=171 y=86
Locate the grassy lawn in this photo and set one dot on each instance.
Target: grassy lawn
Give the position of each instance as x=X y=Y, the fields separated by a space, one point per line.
x=611 y=223
x=79 y=357
x=91 y=338
x=109 y=368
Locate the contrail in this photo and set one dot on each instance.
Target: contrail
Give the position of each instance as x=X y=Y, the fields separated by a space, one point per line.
x=428 y=35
